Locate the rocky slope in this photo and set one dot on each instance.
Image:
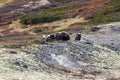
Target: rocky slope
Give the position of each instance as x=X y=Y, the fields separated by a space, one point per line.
x=95 y=57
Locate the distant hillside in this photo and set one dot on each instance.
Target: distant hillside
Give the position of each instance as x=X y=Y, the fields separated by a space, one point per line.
x=40 y=11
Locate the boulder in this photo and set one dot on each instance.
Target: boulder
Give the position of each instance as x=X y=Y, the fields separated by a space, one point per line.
x=78 y=36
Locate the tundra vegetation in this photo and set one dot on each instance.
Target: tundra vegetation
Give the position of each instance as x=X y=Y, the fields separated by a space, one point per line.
x=49 y=15
x=110 y=13
x=67 y=49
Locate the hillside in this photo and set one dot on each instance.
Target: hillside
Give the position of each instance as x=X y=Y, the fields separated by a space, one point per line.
x=95 y=57
x=109 y=13
x=28 y=17
x=59 y=39
x=53 y=10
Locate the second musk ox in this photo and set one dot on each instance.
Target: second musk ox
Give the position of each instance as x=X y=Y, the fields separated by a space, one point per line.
x=58 y=36
x=62 y=36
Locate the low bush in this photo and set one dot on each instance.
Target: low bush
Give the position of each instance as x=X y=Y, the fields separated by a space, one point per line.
x=49 y=15
x=35 y=18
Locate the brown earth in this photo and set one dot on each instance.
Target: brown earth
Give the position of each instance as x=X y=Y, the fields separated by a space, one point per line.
x=93 y=6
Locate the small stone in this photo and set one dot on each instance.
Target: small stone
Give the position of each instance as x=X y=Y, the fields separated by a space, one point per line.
x=13 y=52
x=17 y=63
x=78 y=36
x=25 y=66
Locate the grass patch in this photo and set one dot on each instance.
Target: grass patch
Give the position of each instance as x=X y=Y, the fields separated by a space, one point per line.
x=80 y=23
x=35 y=18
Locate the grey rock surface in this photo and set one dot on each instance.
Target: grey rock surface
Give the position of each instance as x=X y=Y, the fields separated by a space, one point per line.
x=96 y=56
x=108 y=35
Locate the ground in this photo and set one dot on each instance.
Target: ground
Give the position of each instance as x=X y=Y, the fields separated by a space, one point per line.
x=95 y=57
